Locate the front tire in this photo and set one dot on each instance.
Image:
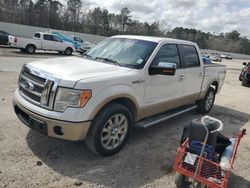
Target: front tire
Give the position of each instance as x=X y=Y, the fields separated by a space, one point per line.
x=110 y=130
x=206 y=104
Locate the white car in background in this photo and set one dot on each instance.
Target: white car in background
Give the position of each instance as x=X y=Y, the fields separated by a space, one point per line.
x=42 y=41
x=80 y=45
x=226 y=56
x=215 y=57
x=84 y=45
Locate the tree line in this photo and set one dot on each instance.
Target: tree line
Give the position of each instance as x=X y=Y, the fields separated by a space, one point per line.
x=75 y=16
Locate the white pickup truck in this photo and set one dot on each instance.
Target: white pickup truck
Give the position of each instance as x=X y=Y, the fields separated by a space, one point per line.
x=123 y=82
x=41 y=41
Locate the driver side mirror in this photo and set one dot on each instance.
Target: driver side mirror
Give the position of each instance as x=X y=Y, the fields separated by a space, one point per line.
x=163 y=68
x=244 y=63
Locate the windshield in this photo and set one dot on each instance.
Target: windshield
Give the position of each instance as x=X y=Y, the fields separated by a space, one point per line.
x=123 y=52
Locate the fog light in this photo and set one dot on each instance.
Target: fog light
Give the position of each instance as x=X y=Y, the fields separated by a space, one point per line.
x=58 y=130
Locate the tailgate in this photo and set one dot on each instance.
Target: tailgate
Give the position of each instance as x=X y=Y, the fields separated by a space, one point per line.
x=12 y=39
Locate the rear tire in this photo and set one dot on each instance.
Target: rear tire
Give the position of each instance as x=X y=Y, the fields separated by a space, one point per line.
x=181 y=181
x=30 y=49
x=109 y=130
x=206 y=104
x=68 y=51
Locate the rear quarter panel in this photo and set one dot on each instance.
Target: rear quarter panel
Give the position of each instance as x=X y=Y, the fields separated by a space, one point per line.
x=213 y=72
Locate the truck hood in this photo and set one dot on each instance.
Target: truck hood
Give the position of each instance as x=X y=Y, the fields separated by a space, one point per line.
x=72 y=69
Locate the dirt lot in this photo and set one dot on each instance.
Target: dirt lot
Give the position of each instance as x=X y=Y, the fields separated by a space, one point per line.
x=29 y=159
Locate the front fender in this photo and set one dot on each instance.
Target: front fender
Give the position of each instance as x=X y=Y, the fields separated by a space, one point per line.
x=116 y=92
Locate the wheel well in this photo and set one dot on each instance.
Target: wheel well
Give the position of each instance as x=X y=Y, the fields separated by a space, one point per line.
x=215 y=86
x=69 y=48
x=127 y=103
x=30 y=45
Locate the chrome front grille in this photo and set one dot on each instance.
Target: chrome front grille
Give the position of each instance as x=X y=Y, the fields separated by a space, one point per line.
x=38 y=87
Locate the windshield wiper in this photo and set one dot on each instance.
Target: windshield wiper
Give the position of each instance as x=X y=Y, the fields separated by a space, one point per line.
x=109 y=60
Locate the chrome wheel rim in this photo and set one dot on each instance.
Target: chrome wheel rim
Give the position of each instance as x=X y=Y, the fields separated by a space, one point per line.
x=31 y=49
x=68 y=51
x=209 y=101
x=114 y=131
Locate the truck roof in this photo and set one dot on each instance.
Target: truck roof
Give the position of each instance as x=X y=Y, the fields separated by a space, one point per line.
x=44 y=33
x=155 y=39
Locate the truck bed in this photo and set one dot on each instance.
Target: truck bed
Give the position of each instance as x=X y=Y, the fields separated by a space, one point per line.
x=211 y=72
x=23 y=42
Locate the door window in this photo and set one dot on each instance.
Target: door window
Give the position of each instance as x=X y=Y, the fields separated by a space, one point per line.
x=169 y=54
x=48 y=37
x=191 y=58
x=37 y=35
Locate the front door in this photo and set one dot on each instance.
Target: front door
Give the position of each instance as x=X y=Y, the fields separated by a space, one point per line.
x=164 y=92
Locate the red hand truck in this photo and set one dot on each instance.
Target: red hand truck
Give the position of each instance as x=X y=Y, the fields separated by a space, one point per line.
x=203 y=172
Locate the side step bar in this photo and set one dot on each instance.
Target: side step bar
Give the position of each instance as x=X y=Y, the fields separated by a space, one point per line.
x=148 y=122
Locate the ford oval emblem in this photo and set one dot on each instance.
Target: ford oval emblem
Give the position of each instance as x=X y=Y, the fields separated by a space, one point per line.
x=28 y=85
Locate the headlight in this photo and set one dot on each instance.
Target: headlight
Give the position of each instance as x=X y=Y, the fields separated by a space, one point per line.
x=70 y=97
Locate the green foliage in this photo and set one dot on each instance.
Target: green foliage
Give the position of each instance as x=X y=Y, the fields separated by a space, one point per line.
x=229 y=42
x=73 y=17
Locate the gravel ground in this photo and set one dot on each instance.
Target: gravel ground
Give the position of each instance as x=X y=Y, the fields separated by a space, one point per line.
x=29 y=159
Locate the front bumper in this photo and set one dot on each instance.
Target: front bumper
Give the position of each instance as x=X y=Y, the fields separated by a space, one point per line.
x=54 y=128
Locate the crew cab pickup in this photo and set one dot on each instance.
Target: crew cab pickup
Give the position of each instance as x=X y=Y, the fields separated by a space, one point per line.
x=123 y=82
x=42 y=41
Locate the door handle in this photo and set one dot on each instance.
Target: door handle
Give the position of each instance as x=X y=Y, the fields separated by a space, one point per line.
x=200 y=74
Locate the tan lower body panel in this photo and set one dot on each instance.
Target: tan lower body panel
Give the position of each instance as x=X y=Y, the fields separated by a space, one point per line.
x=168 y=105
x=72 y=130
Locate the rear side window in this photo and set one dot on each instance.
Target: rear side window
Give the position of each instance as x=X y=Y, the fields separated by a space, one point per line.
x=191 y=58
x=48 y=37
x=168 y=53
x=37 y=35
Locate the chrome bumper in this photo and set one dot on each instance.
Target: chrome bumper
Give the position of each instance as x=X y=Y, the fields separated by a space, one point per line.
x=54 y=128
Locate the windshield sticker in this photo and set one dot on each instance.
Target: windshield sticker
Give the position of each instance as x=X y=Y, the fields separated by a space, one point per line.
x=139 y=61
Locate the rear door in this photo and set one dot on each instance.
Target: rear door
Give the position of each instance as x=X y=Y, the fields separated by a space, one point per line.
x=193 y=72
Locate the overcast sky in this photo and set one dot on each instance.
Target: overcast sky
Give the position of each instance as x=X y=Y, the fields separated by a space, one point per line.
x=206 y=15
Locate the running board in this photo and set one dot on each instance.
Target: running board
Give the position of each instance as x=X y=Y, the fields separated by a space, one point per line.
x=148 y=122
